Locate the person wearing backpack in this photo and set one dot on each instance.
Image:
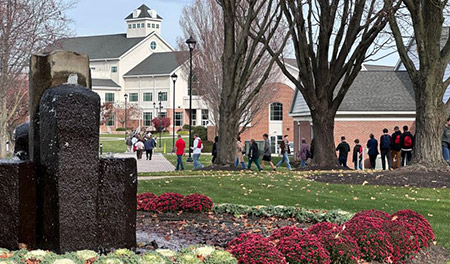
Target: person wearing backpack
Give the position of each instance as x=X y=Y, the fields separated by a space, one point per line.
x=446 y=142
x=372 y=145
x=396 y=148
x=385 y=149
x=304 y=153
x=253 y=155
x=407 y=145
x=197 y=150
x=358 y=149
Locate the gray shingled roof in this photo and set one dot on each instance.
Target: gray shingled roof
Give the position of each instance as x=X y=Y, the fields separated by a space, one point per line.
x=373 y=91
x=371 y=67
x=159 y=63
x=144 y=13
x=104 y=83
x=99 y=47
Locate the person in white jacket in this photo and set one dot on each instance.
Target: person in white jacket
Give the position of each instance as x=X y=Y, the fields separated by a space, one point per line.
x=197 y=150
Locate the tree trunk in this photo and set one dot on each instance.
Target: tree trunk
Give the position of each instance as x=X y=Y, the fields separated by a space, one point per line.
x=226 y=151
x=323 y=134
x=430 y=121
x=3 y=139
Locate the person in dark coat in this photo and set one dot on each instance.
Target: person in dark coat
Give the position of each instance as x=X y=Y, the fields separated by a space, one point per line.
x=396 y=148
x=149 y=144
x=214 y=149
x=344 y=149
x=385 y=149
x=253 y=155
x=358 y=149
x=372 y=145
x=407 y=145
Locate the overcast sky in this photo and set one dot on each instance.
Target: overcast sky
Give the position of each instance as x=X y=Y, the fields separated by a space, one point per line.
x=100 y=17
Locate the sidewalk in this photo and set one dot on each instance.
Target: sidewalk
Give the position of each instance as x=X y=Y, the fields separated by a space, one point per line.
x=158 y=163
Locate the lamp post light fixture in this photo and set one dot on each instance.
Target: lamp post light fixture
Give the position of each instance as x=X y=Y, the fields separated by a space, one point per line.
x=191 y=44
x=126 y=106
x=160 y=117
x=174 y=79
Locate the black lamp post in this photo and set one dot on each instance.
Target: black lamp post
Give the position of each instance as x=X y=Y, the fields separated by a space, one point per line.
x=126 y=97
x=191 y=43
x=174 y=79
x=160 y=117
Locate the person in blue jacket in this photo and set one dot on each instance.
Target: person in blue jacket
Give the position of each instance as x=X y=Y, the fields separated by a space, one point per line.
x=372 y=146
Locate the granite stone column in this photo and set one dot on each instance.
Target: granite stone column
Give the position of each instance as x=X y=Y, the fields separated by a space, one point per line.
x=17 y=204
x=69 y=168
x=117 y=203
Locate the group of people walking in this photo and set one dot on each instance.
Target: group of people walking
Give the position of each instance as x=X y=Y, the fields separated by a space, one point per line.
x=395 y=149
x=254 y=153
x=139 y=143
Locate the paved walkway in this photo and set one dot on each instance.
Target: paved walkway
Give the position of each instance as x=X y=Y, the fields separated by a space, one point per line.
x=158 y=163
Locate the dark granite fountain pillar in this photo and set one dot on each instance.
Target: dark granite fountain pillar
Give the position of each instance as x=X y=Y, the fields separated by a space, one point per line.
x=69 y=163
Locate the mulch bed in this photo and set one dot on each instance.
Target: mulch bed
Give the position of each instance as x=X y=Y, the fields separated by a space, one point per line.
x=409 y=178
x=173 y=231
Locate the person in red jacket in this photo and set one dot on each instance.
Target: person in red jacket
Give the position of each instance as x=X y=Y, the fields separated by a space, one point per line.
x=180 y=145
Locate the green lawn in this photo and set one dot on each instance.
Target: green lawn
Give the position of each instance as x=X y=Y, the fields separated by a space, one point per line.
x=292 y=189
x=116 y=143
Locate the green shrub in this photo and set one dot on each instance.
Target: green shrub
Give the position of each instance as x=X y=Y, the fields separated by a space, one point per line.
x=68 y=258
x=302 y=215
x=109 y=260
x=87 y=255
x=36 y=255
x=182 y=132
x=167 y=253
x=128 y=256
x=154 y=258
x=188 y=258
x=207 y=146
x=120 y=129
x=221 y=257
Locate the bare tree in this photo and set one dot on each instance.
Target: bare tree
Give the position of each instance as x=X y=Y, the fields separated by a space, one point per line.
x=27 y=26
x=426 y=67
x=203 y=20
x=330 y=40
x=245 y=66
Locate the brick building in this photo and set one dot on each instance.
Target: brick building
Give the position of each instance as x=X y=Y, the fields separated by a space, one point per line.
x=378 y=99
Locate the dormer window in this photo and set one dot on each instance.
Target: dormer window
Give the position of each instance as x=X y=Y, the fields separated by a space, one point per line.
x=157 y=25
x=129 y=26
x=149 y=25
x=134 y=25
x=143 y=25
x=153 y=25
x=138 y=25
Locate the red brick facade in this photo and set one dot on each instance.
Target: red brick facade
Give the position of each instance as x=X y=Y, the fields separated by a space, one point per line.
x=283 y=95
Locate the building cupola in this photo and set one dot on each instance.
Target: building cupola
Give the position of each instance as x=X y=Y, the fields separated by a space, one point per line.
x=142 y=22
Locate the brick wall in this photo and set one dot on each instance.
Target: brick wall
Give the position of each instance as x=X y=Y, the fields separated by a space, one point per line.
x=284 y=95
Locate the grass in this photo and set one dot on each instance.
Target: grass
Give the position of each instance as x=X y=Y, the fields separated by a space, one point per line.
x=116 y=143
x=292 y=189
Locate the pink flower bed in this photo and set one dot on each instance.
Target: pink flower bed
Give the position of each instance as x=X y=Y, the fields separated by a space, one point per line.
x=172 y=202
x=370 y=236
